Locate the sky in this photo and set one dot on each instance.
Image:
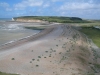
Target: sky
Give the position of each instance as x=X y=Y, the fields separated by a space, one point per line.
x=86 y=9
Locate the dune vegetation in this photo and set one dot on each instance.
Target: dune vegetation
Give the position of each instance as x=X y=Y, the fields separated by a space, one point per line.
x=1 y=73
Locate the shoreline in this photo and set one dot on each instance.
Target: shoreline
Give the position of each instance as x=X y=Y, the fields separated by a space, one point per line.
x=10 y=42
x=26 y=39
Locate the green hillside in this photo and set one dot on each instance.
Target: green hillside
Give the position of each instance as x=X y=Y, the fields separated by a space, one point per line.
x=54 y=19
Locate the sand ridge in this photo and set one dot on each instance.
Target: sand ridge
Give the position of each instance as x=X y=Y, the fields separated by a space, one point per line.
x=61 y=51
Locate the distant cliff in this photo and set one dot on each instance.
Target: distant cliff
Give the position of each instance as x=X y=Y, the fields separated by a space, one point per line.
x=27 y=20
x=50 y=19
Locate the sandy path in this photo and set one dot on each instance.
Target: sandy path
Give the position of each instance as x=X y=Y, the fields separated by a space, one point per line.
x=60 y=50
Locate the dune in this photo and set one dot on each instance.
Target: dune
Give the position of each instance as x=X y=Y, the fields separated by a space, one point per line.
x=58 y=50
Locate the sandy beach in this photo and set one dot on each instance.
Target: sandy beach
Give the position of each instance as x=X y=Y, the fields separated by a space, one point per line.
x=58 y=50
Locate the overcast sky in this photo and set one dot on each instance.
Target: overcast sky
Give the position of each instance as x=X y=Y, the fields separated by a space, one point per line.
x=87 y=9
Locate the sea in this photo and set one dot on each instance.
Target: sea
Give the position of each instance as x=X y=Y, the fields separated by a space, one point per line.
x=97 y=27
x=11 y=31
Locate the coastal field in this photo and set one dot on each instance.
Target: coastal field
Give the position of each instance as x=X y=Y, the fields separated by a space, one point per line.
x=60 y=49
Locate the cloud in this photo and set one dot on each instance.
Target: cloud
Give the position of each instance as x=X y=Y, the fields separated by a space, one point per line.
x=82 y=9
x=56 y=0
x=5 y=6
x=79 y=6
x=91 y=1
x=46 y=5
x=27 y=3
x=8 y=9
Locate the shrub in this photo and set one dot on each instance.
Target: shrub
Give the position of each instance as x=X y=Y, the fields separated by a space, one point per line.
x=13 y=58
x=33 y=59
x=30 y=61
x=39 y=56
x=37 y=65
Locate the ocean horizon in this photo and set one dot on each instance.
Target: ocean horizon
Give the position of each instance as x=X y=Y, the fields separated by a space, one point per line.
x=5 y=19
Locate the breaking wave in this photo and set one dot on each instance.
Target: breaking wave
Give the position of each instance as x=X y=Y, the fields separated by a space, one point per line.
x=10 y=27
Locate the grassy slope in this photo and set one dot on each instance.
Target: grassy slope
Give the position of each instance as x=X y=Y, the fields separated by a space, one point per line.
x=1 y=73
x=92 y=33
x=89 y=24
